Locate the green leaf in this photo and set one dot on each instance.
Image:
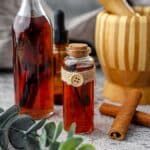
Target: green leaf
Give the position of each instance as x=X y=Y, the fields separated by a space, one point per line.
x=18 y=128
x=1 y=110
x=8 y=120
x=49 y=142
x=8 y=116
x=36 y=126
x=71 y=144
x=8 y=112
x=58 y=131
x=43 y=139
x=54 y=146
x=50 y=129
x=31 y=143
x=3 y=140
x=87 y=147
x=71 y=131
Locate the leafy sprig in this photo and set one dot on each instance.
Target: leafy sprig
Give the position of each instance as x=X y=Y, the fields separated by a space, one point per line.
x=5 y=120
x=51 y=133
x=36 y=135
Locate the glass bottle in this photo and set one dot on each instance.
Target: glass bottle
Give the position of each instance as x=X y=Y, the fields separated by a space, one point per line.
x=60 y=44
x=78 y=76
x=32 y=58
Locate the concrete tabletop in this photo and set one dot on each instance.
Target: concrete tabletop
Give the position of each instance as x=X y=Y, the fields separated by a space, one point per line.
x=138 y=137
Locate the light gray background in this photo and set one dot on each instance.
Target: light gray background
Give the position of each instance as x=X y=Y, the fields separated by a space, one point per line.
x=9 y=8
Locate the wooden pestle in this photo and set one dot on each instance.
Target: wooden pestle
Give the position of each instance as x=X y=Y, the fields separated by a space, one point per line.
x=118 y=7
x=121 y=124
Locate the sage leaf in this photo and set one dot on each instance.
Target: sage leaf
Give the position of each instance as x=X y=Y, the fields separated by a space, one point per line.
x=54 y=146
x=16 y=132
x=87 y=147
x=71 y=131
x=5 y=124
x=58 y=131
x=8 y=112
x=36 y=126
x=43 y=139
x=31 y=143
x=71 y=144
x=1 y=110
x=50 y=129
x=8 y=116
x=3 y=139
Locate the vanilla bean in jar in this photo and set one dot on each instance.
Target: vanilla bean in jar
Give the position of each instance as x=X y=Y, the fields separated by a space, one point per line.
x=33 y=62
x=78 y=76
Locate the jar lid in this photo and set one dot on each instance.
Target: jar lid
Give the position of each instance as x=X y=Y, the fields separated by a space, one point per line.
x=78 y=50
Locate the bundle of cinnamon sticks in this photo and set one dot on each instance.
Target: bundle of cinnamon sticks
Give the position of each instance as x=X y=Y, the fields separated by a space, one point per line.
x=124 y=115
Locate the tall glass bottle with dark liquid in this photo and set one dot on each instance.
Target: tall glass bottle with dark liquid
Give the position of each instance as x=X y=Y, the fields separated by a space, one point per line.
x=33 y=60
x=59 y=53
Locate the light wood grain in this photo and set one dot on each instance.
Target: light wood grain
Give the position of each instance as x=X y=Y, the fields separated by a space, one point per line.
x=118 y=7
x=123 y=47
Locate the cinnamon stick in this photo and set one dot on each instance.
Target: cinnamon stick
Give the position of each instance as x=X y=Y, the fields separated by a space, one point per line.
x=140 y=118
x=121 y=124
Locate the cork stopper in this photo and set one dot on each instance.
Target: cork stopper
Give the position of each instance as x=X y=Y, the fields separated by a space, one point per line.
x=78 y=50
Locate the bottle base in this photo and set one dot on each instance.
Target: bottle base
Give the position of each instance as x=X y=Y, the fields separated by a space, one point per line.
x=81 y=131
x=37 y=115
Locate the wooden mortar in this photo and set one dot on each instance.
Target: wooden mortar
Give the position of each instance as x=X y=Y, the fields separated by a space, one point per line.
x=123 y=48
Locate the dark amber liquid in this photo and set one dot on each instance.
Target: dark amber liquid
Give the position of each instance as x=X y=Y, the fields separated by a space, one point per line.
x=59 y=54
x=79 y=104
x=33 y=72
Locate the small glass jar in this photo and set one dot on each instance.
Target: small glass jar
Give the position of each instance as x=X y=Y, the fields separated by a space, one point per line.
x=78 y=76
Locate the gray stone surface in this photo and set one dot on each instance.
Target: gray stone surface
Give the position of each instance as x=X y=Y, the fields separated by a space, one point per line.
x=138 y=138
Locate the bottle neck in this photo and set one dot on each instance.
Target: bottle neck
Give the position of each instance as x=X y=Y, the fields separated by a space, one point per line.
x=31 y=8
